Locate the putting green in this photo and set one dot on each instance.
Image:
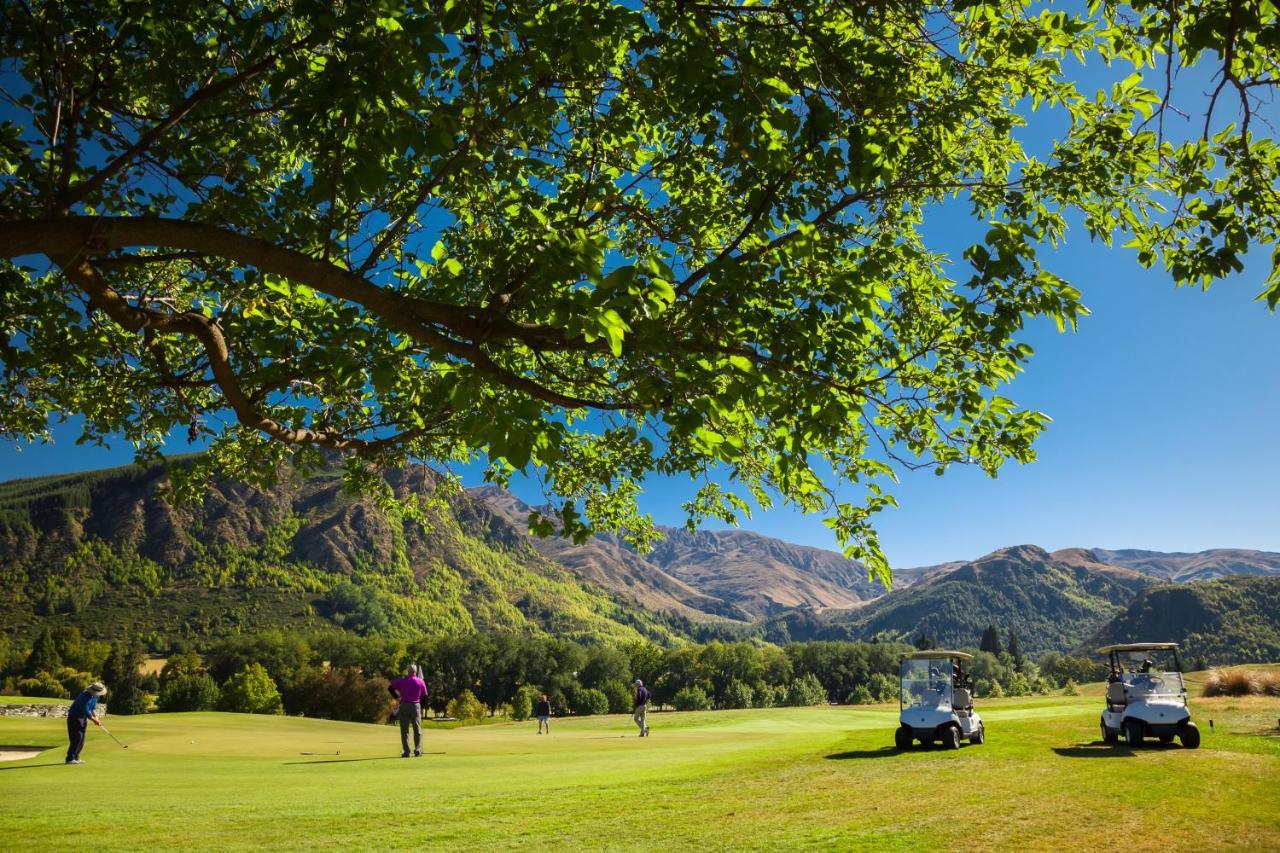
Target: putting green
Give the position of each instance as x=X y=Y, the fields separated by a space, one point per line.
x=775 y=779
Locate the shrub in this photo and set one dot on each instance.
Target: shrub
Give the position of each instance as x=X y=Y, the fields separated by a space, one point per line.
x=339 y=693
x=860 y=695
x=691 y=699
x=589 y=702
x=466 y=707
x=738 y=695
x=768 y=695
x=73 y=682
x=1071 y=689
x=883 y=688
x=251 y=691
x=522 y=702
x=806 y=690
x=189 y=693
x=1241 y=682
x=620 y=696
x=42 y=684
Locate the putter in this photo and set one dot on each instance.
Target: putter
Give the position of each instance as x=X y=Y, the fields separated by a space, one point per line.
x=110 y=735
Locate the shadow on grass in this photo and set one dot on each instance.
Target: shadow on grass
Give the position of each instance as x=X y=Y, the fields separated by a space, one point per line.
x=33 y=766
x=882 y=752
x=349 y=760
x=1095 y=749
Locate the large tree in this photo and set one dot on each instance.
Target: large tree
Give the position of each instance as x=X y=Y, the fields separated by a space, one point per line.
x=596 y=240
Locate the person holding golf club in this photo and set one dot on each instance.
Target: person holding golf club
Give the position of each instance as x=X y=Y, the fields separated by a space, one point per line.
x=83 y=711
x=411 y=691
x=640 y=713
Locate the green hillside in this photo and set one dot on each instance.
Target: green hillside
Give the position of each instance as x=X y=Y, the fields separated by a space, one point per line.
x=103 y=551
x=1051 y=605
x=1230 y=620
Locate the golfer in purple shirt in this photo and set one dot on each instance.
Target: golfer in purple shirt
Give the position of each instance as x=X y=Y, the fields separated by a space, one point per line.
x=412 y=692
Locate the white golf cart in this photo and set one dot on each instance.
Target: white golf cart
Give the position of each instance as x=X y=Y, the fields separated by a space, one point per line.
x=936 y=701
x=1146 y=698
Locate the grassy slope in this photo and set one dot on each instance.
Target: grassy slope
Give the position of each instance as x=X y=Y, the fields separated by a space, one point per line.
x=781 y=778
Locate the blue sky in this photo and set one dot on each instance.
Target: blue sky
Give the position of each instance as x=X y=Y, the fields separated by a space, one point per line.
x=1166 y=433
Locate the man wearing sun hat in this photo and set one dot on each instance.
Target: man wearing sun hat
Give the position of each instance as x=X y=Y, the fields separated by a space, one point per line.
x=83 y=711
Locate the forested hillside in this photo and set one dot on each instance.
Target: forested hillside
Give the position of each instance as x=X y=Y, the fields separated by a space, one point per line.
x=300 y=554
x=1231 y=620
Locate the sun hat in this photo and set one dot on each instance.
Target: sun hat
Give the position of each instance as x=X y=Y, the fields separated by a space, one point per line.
x=97 y=688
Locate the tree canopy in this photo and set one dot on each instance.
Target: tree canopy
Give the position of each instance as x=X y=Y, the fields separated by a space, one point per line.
x=597 y=241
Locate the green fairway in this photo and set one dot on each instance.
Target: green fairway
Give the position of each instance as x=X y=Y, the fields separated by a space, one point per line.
x=778 y=778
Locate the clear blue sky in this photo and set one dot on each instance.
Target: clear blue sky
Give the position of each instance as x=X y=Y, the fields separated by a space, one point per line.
x=1166 y=433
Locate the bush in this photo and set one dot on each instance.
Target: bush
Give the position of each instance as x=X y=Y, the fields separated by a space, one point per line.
x=883 y=688
x=806 y=690
x=691 y=699
x=589 y=702
x=1241 y=682
x=251 y=691
x=73 y=682
x=44 y=685
x=189 y=693
x=620 y=696
x=860 y=695
x=768 y=695
x=466 y=707
x=1071 y=688
x=339 y=693
x=738 y=695
x=522 y=702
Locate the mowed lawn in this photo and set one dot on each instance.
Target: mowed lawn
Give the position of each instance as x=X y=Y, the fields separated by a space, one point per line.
x=773 y=779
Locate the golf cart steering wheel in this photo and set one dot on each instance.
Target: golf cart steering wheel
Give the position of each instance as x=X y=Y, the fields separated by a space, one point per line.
x=1155 y=681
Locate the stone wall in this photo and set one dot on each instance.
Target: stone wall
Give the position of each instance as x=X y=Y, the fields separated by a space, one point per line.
x=41 y=710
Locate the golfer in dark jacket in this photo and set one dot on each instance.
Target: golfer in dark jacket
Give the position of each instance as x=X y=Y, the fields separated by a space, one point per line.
x=83 y=711
x=412 y=692
x=542 y=710
x=641 y=712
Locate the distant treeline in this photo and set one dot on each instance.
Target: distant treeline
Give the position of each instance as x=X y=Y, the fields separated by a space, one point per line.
x=344 y=676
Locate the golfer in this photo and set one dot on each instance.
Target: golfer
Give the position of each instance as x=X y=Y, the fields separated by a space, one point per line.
x=412 y=692
x=542 y=710
x=641 y=711
x=83 y=711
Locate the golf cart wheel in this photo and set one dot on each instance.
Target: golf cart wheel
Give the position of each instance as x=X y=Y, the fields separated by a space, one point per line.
x=1108 y=736
x=951 y=738
x=1133 y=733
x=980 y=736
x=902 y=738
x=1190 y=736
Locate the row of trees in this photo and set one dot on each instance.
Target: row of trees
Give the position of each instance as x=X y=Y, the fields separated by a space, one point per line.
x=344 y=676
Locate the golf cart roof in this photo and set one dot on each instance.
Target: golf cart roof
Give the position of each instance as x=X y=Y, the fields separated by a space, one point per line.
x=937 y=653
x=1137 y=647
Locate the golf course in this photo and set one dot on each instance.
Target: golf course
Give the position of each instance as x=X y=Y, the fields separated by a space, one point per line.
x=779 y=778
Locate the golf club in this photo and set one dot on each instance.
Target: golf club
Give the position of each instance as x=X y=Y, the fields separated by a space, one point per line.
x=110 y=735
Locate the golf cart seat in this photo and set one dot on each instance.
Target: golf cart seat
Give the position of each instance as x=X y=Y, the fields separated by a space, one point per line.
x=962 y=698
x=1115 y=693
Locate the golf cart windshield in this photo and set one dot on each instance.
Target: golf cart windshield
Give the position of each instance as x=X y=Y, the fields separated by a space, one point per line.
x=1154 y=683
x=926 y=682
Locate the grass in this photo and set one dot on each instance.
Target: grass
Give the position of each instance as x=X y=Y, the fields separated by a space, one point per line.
x=32 y=700
x=772 y=779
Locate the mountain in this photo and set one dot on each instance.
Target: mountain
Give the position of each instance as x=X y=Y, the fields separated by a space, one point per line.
x=104 y=551
x=1051 y=604
x=1230 y=620
x=1182 y=567
x=731 y=573
x=608 y=563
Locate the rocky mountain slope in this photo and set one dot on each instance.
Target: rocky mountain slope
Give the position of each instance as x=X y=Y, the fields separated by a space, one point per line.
x=1183 y=567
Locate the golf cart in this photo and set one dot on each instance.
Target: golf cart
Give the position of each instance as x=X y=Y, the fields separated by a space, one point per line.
x=936 y=701
x=1145 y=699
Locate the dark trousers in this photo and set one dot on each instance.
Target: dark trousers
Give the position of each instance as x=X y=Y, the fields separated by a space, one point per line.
x=76 y=727
x=410 y=716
